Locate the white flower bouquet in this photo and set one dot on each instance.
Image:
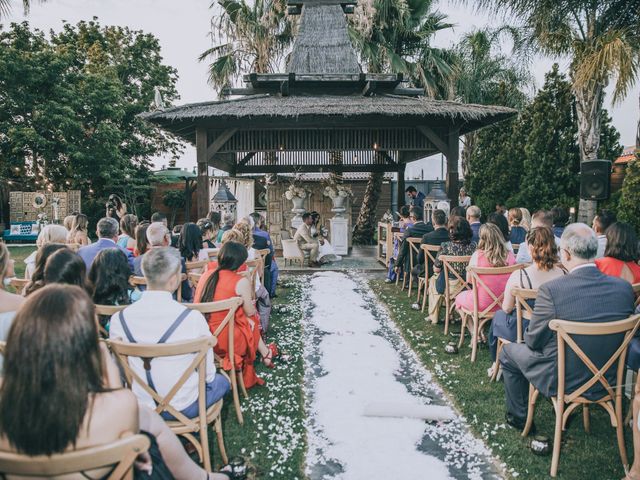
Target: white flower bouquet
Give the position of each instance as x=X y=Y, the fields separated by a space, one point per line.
x=336 y=190
x=295 y=191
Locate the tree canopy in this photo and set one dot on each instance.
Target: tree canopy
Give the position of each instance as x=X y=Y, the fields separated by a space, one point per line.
x=69 y=105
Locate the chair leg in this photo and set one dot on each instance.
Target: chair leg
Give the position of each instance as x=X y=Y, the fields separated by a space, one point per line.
x=620 y=430
x=223 y=451
x=236 y=397
x=204 y=444
x=557 y=438
x=243 y=390
x=474 y=338
x=634 y=378
x=410 y=284
x=586 y=420
x=463 y=326
x=419 y=290
x=531 y=410
x=424 y=296
x=447 y=313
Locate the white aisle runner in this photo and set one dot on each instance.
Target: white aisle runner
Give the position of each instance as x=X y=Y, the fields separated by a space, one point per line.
x=356 y=361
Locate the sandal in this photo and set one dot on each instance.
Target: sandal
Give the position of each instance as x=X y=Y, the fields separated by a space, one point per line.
x=273 y=348
x=268 y=359
x=236 y=469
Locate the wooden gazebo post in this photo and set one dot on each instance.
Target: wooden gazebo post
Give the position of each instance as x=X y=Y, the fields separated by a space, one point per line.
x=202 y=189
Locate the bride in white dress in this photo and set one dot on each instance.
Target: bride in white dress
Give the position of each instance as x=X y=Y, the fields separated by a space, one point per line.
x=326 y=254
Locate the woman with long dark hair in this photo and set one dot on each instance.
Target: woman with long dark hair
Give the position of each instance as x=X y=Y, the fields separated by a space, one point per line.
x=190 y=242
x=621 y=254
x=53 y=353
x=37 y=279
x=67 y=267
x=127 y=238
x=223 y=283
x=109 y=279
x=142 y=242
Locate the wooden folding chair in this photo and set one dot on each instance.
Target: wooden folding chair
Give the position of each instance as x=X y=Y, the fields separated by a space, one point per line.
x=106 y=311
x=230 y=305
x=136 y=281
x=430 y=252
x=197 y=266
x=18 y=284
x=414 y=251
x=397 y=237
x=3 y=346
x=479 y=318
x=451 y=291
x=255 y=267
x=182 y=425
x=564 y=403
x=523 y=311
x=118 y=455
x=194 y=278
x=213 y=254
x=636 y=292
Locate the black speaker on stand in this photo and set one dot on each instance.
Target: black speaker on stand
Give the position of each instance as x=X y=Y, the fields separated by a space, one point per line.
x=595 y=180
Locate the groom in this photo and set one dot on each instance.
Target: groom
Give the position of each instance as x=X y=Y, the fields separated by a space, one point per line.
x=305 y=240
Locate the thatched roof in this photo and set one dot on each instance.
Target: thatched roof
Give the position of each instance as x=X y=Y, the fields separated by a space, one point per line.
x=332 y=111
x=322 y=44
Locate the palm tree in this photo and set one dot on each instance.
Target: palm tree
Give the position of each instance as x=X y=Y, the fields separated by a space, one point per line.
x=394 y=36
x=483 y=74
x=601 y=40
x=248 y=37
x=5 y=7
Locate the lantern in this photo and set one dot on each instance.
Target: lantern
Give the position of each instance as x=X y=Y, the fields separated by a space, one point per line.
x=437 y=199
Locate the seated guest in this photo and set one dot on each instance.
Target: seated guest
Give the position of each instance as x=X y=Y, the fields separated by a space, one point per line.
x=65 y=266
x=464 y=200
x=215 y=218
x=79 y=233
x=9 y=302
x=526 y=219
x=86 y=405
x=128 y=225
x=460 y=244
x=600 y=299
x=49 y=234
x=68 y=222
x=517 y=233
x=501 y=209
x=305 y=240
x=108 y=281
x=491 y=253
x=224 y=283
x=417 y=230
x=160 y=217
x=261 y=241
x=545 y=267
x=502 y=223
x=603 y=220
x=458 y=212
x=107 y=232
x=439 y=235
x=622 y=253
x=37 y=280
x=157 y=315
x=207 y=233
x=473 y=217
x=403 y=223
x=142 y=244
x=190 y=242
x=541 y=218
x=228 y=220
x=560 y=217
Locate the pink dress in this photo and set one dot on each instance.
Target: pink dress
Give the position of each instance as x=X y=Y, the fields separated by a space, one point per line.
x=495 y=283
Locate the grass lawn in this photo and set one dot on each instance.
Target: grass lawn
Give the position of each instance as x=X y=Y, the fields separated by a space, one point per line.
x=19 y=254
x=582 y=456
x=272 y=438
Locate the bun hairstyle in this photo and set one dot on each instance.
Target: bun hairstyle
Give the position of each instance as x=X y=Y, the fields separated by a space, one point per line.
x=515 y=216
x=542 y=246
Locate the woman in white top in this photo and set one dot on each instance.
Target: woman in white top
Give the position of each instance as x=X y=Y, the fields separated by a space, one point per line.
x=545 y=267
x=49 y=234
x=464 y=200
x=9 y=302
x=326 y=253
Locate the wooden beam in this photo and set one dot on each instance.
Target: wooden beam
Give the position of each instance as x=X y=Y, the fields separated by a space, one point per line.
x=313 y=168
x=388 y=159
x=400 y=190
x=453 y=141
x=219 y=142
x=202 y=157
x=246 y=158
x=284 y=88
x=369 y=88
x=438 y=141
x=223 y=161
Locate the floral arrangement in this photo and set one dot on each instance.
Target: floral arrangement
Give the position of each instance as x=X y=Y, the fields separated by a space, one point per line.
x=295 y=191
x=43 y=219
x=387 y=217
x=335 y=190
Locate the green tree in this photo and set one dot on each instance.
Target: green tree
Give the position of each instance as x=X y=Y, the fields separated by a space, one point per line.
x=601 y=41
x=248 y=37
x=629 y=206
x=174 y=199
x=70 y=106
x=5 y=7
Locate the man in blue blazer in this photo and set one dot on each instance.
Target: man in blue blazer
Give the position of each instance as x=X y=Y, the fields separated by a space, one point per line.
x=107 y=231
x=584 y=295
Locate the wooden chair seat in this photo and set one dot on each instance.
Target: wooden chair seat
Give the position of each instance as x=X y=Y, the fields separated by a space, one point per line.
x=119 y=454
x=564 y=403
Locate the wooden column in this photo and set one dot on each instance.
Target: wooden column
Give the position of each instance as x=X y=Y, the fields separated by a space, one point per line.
x=453 y=155
x=202 y=192
x=401 y=168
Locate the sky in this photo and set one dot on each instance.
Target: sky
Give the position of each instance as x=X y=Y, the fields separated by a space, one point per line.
x=183 y=29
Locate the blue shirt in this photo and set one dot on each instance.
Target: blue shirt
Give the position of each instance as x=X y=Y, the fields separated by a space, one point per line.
x=261 y=233
x=419 y=200
x=89 y=252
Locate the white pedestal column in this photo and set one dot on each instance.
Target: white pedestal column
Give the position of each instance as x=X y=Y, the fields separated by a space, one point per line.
x=340 y=235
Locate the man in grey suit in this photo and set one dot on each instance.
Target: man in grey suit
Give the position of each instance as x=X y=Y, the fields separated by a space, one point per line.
x=584 y=295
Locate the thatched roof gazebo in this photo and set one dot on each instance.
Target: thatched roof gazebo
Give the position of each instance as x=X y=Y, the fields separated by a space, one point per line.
x=324 y=114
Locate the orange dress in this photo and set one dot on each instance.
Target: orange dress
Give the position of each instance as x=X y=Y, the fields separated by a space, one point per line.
x=245 y=341
x=613 y=267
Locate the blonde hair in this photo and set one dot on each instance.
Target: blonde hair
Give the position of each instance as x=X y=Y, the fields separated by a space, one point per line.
x=493 y=246
x=68 y=221
x=5 y=258
x=52 y=234
x=515 y=216
x=526 y=218
x=80 y=224
x=232 y=235
x=247 y=234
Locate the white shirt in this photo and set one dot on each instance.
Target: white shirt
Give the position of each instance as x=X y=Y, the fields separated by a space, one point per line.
x=524 y=255
x=464 y=201
x=602 y=245
x=148 y=319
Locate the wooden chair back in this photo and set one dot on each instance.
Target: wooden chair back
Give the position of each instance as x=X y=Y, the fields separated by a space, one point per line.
x=194 y=278
x=451 y=291
x=523 y=309
x=18 y=284
x=106 y=311
x=121 y=454
x=636 y=292
x=199 y=265
x=478 y=283
x=565 y=331
x=291 y=251
x=255 y=268
x=430 y=252
x=414 y=251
